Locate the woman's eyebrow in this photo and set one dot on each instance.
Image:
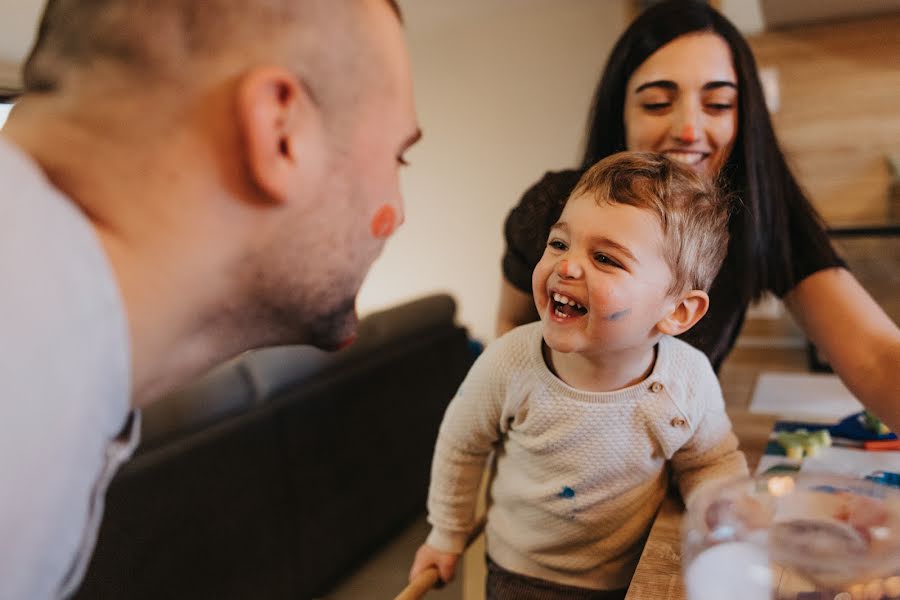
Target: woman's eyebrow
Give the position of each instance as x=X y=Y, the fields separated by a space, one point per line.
x=714 y=85
x=660 y=83
x=671 y=85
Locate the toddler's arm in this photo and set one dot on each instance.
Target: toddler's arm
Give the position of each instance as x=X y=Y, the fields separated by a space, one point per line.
x=469 y=430
x=711 y=455
x=444 y=562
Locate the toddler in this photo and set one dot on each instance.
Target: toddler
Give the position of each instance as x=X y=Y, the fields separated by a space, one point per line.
x=590 y=410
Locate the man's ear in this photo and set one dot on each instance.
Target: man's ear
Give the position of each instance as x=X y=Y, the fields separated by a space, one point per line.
x=281 y=130
x=685 y=314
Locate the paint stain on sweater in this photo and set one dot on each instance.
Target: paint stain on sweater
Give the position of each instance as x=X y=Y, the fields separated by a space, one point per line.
x=567 y=492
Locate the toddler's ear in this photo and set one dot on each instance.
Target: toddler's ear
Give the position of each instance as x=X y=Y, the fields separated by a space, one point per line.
x=687 y=311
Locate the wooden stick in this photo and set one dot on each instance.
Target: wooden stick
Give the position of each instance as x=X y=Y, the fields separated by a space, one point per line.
x=427 y=579
x=419 y=586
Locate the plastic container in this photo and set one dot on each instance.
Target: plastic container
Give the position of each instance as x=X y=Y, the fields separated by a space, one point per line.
x=803 y=537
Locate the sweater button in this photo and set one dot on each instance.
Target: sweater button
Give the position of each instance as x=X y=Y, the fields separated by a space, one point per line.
x=656 y=387
x=678 y=422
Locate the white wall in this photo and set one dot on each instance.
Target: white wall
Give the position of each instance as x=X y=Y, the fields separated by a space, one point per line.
x=4 y=112
x=18 y=24
x=745 y=14
x=503 y=96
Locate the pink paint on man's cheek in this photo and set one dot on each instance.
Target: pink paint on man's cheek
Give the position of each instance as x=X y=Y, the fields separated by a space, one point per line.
x=384 y=222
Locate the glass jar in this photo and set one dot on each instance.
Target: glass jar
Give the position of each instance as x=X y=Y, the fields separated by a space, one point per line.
x=803 y=537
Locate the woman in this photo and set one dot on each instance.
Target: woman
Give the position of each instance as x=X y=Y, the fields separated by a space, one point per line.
x=682 y=81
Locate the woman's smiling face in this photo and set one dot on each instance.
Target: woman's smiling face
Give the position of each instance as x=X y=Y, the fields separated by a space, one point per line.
x=683 y=102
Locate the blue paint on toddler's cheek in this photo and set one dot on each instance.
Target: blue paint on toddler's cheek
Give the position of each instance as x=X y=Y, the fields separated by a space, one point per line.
x=567 y=492
x=618 y=315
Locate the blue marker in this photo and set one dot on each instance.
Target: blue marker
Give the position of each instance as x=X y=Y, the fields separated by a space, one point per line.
x=885 y=478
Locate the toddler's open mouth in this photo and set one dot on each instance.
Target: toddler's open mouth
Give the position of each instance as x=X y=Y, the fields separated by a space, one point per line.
x=564 y=307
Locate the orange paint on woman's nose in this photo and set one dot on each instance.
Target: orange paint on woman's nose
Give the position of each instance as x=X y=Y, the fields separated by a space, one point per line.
x=689 y=133
x=384 y=222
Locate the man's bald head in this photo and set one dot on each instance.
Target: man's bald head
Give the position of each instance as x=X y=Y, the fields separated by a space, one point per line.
x=253 y=145
x=180 y=41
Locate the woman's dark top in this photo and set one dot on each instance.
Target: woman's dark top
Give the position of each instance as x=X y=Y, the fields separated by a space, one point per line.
x=528 y=226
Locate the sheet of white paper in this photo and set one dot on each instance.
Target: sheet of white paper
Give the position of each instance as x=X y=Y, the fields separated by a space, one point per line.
x=803 y=396
x=852 y=462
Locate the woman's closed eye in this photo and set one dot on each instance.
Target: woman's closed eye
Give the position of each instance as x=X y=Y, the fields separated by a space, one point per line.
x=720 y=100
x=719 y=106
x=656 y=106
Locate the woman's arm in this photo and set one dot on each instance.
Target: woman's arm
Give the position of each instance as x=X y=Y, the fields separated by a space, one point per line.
x=858 y=338
x=516 y=308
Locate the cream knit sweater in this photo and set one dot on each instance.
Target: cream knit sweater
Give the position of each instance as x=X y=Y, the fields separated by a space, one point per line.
x=578 y=475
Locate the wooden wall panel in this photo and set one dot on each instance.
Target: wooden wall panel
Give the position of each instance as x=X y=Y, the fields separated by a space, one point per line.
x=840 y=111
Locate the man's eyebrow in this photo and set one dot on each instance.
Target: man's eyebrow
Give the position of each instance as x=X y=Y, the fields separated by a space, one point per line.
x=412 y=139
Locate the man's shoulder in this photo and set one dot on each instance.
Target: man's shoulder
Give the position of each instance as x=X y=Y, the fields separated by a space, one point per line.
x=61 y=309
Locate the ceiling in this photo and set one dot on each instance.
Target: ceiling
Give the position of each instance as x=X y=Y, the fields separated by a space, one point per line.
x=422 y=17
x=18 y=18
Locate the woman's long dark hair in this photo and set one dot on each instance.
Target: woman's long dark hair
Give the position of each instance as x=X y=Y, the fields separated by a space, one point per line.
x=772 y=207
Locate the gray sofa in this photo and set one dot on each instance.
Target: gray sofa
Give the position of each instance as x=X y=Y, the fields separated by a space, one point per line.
x=278 y=472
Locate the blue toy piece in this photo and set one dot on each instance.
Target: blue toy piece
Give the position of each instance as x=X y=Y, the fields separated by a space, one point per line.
x=852 y=427
x=885 y=478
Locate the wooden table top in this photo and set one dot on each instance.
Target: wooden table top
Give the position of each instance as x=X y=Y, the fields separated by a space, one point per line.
x=658 y=575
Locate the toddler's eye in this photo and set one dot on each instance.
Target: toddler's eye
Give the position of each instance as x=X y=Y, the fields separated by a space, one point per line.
x=557 y=245
x=605 y=260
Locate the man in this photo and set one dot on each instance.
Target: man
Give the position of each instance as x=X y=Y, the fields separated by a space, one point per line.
x=182 y=180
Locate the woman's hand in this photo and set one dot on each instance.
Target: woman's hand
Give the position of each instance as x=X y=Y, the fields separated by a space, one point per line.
x=427 y=557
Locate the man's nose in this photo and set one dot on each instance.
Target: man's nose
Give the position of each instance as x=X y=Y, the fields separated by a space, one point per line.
x=401 y=210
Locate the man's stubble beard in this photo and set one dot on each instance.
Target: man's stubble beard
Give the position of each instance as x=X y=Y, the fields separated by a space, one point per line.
x=299 y=306
x=306 y=293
